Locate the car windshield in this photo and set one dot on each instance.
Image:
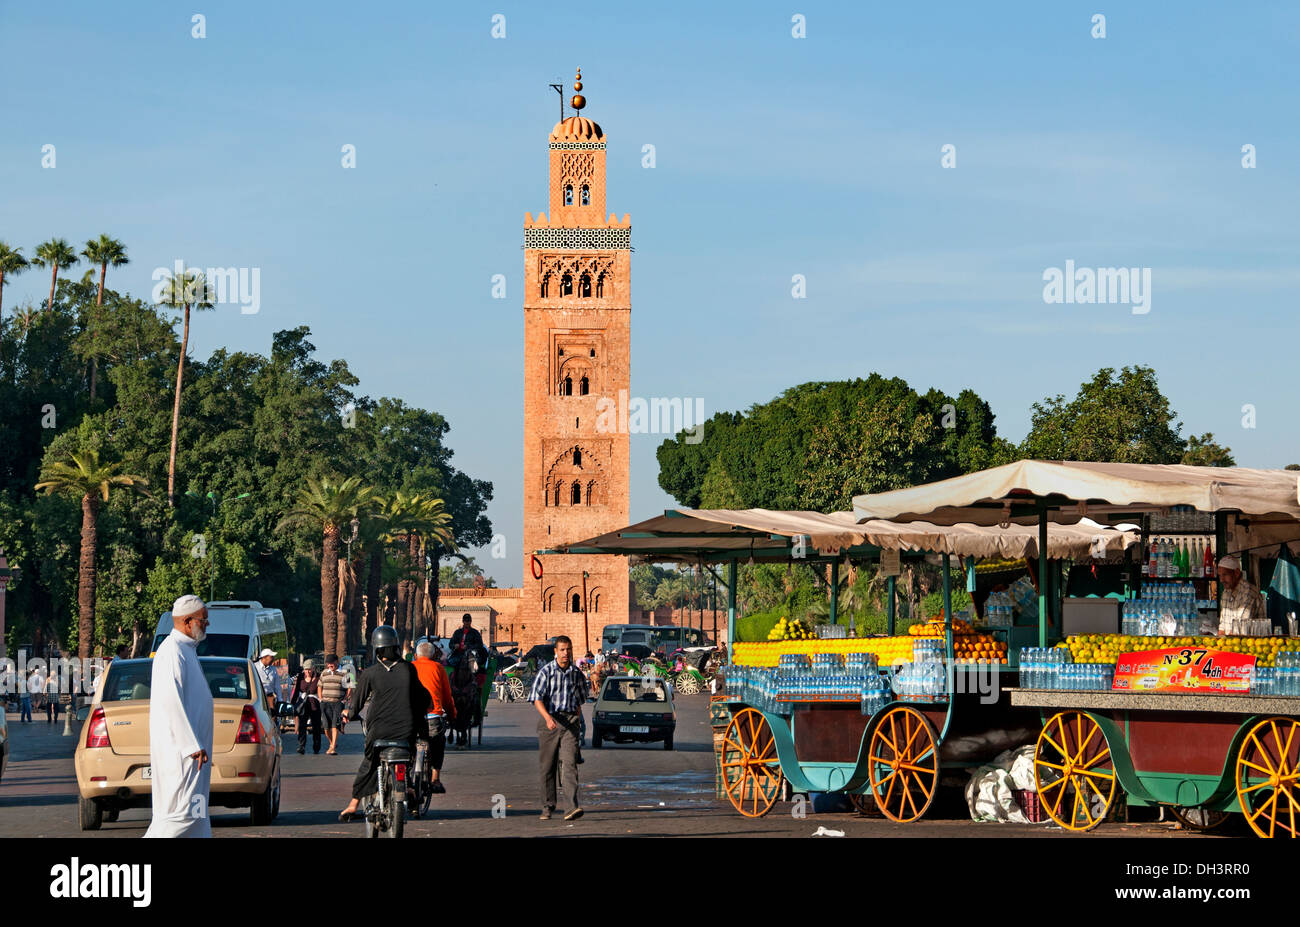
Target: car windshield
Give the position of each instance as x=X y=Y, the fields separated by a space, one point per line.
x=129 y=682
x=216 y=645
x=635 y=690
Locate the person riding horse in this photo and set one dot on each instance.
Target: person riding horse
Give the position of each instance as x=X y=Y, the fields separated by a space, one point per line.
x=466 y=683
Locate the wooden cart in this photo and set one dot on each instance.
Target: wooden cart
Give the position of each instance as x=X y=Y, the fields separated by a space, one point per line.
x=1205 y=756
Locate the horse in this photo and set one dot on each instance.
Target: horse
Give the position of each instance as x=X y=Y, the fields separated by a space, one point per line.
x=465 y=692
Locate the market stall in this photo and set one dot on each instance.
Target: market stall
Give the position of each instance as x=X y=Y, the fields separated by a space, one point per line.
x=878 y=717
x=1208 y=724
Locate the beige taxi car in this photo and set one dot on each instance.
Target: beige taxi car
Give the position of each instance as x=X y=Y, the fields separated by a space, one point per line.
x=112 y=759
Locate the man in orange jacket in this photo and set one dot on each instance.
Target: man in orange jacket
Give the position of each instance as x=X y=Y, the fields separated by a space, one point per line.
x=434 y=678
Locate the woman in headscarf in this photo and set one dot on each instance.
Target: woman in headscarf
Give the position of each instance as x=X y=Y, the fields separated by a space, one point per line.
x=307 y=685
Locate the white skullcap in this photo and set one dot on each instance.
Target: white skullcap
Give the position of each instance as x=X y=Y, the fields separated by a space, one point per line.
x=1230 y=563
x=186 y=605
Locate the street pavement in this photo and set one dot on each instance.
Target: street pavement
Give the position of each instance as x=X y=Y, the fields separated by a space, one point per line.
x=630 y=789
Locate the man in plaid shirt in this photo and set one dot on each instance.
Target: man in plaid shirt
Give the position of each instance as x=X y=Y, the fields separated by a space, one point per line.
x=559 y=691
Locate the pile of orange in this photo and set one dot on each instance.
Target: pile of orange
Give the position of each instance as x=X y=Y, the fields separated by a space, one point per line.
x=968 y=647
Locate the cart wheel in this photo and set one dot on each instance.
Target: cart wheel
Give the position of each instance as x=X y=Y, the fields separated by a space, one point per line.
x=1074 y=771
x=751 y=772
x=1201 y=819
x=687 y=684
x=518 y=690
x=904 y=764
x=864 y=804
x=1267 y=770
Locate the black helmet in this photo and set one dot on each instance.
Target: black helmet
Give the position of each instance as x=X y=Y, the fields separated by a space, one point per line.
x=383 y=636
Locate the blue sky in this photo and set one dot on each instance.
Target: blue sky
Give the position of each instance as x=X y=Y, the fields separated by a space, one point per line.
x=775 y=156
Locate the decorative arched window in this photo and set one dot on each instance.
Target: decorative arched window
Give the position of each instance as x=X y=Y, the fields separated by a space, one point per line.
x=584 y=286
x=591 y=491
x=550 y=602
x=576 y=494
x=559 y=488
x=577 y=452
x=584 y=386
x=600 y=291
x=566 y=285
x=586 y=196
x=546 y=284
x=595 y=602
x=577 y=602
x=568 y=387
x=593 y=352
x=568 y=194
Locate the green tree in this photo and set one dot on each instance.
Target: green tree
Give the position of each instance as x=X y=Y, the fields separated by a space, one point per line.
x=183 y=291
x=1205 y=452
x=84 y=475
x=12 y=263
x=330 y=502
x=1114 y=417
x=102 y=251
x=54 y=254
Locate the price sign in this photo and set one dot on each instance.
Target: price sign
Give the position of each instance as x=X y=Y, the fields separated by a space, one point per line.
x=1184 y=669
x=891 y=563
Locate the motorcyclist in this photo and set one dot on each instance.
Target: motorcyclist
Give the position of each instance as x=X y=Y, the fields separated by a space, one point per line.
x=396 y=702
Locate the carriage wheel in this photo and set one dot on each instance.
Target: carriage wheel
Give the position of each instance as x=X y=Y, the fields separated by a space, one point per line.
x=1267 y=771
x=751 y=772
x=1074 y=771
x=517 y=688
x=688 y=684
x=904 y=764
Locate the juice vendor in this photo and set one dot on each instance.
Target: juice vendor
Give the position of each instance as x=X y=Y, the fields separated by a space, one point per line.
x=1241 y=599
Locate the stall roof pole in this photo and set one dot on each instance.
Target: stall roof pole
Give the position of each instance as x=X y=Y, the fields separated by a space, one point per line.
x=835 y=591
x=731 y=611
x=947 y=607
x=1042 y=573
x=892 y=583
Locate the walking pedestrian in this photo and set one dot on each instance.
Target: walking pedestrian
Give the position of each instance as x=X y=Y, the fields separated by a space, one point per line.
x=306 y=698
x=559 y=692
x=335 y=686
x=180 y=727
x=25 y=701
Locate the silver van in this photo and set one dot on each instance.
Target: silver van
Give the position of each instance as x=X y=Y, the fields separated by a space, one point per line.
x=236 y=629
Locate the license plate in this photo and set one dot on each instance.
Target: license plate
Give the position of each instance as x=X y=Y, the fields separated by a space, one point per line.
x=146 y=773
x=634 y=729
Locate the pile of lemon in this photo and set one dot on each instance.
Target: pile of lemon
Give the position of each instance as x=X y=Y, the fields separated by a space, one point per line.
x=785 y=630
x=1106 y=648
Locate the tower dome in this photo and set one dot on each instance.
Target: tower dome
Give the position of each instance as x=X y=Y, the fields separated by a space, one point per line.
x=577 y=129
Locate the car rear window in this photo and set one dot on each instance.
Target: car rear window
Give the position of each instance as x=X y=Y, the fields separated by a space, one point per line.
x=130 y=682
x=635 y=690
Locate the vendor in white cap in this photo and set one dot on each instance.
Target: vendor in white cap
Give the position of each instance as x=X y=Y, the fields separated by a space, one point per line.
x=269 y=675
x=1240 y=600
x=180 y=727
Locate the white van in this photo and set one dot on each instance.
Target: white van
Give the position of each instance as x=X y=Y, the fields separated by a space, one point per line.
x=236 y=629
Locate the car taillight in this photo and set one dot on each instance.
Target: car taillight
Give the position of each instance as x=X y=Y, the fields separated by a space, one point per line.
x=399 y=770
x=667 y=717
x=97 y=730
x=250 y=729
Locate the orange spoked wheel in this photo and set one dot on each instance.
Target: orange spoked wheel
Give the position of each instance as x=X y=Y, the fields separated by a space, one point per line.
x=904 y=764
x=751 y=772
x=1267 y=768
x=1074 y=771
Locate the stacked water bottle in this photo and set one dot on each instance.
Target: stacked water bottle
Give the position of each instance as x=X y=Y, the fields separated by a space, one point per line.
x=1051 y=668
x=1173 y=605
x=876 y=694
x=861 y=664
x=998 y=610
x=825 y=676
x=1286 y=673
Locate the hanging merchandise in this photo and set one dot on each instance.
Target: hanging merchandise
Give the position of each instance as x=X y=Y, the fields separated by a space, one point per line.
x=1284 y=593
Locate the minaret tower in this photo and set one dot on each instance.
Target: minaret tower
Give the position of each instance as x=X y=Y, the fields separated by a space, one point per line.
x=577 y=311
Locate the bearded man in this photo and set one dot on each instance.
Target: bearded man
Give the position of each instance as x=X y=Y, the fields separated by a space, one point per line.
x=180 y=727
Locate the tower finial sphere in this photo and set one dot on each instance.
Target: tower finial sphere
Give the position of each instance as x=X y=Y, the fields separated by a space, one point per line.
x=578 y=101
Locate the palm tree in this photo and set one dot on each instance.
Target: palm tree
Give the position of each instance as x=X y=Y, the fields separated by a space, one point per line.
x=437 y=536
x=85 y=475
x=411 y=518
x=330 y=502
x=11 y=262
x=183 y=291
x=102 y=251
x=54 y=254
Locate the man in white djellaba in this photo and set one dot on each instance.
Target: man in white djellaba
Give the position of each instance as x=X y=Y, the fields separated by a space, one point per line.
x=180 y=727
